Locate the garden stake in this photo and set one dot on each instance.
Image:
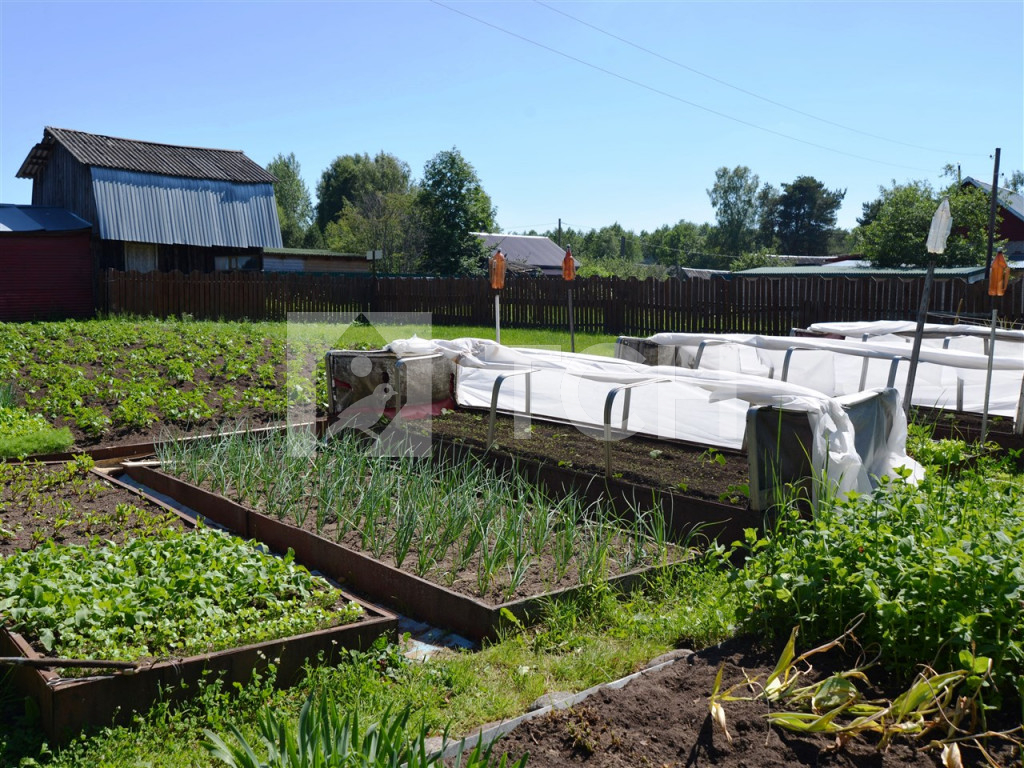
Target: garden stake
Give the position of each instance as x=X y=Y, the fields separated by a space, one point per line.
x=942 y=222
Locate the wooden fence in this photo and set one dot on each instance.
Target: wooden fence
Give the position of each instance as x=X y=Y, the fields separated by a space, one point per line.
x=769 y=305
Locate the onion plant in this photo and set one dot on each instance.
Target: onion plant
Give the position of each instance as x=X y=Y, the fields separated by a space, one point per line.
x=442 y=519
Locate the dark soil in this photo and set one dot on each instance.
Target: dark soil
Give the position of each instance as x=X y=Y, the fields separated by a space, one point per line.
x=249 y=418
x=38 y=504
x=708 y=473
x=663 y=720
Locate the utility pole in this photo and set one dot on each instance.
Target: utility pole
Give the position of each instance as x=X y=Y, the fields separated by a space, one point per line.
x=992 y=216
x=560 y=232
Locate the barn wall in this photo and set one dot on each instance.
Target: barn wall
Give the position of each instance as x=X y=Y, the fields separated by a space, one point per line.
x=65 y=183
x=46 y=276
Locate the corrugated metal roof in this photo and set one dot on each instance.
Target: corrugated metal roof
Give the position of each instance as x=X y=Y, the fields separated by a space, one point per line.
x=534 y=250
x=145 y=157
x=149 y=208
x=30 y=218
x=838 y=271
x=1012 y=201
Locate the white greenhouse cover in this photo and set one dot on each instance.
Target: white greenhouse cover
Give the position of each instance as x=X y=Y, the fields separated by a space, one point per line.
x=837 y=366
x=705 y=407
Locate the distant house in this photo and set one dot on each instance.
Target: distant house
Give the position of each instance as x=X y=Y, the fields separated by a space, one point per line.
x=527 y=253
x=157 y=206
x=865 y=270
x=1011 y=209
x=46 y=264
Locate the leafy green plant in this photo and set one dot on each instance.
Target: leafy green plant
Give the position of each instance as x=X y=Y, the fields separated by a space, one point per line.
x=173 y=594
x=935 y=569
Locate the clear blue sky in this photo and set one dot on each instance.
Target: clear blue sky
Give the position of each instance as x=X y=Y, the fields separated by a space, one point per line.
x=559 y=118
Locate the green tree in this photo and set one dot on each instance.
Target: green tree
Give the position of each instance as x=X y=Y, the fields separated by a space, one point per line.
x=899 y=233
x=612 y=242
x=454 y=205
x=767 y=205
x=1016 y=182
x=294 y=206
x=753 y=260
x=343 y=181
x=677 y=245
x=734 y=198
x=805 y=216
x=359 y=180
x=389 y=222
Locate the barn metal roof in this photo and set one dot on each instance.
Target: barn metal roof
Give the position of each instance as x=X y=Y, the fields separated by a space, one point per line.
x=145 y=157
x=35 y=218
x=151 y=208
x=1011 y=201
x=971 y=274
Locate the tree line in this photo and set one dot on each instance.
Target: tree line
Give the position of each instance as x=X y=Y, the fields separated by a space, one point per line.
x=425 y=225
x=366 y=204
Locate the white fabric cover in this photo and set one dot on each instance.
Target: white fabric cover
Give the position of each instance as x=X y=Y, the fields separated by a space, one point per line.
x=705 y=407
x=836 y=366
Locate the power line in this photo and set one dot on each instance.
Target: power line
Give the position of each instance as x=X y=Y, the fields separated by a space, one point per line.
x=672 y=96
x=688 y=68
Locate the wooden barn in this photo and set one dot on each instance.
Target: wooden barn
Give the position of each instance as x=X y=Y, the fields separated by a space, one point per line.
x=157 y=206
x=46 y=264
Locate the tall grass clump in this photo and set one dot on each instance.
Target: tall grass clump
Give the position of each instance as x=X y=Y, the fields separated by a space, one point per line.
x=24 y=434
x=937 y=570
x=448 y=520
x=326 y=736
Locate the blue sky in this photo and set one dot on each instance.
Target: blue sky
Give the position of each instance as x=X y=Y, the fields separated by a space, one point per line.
x=621 y=113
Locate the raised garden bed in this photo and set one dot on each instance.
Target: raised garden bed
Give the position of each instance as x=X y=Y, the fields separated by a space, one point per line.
x=533 y=549
x=700 y=472
x=961 y=425
x=97 y=520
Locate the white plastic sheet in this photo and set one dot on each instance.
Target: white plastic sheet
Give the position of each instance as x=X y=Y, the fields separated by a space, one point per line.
x=705 y=407
x=844 y=366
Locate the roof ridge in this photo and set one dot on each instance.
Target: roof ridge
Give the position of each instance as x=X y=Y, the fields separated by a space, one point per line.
x=141 y=141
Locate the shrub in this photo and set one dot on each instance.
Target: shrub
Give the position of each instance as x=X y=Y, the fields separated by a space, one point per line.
x=935 y=569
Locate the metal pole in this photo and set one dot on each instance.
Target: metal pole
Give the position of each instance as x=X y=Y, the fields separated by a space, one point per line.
x=497 y=316
x=918 y=335
x=988 y=377
x=572 y=331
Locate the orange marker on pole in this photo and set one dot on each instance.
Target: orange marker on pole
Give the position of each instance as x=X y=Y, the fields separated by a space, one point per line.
x=999 y=276
x=998 y=279
x=569 y=274
x=497 y=270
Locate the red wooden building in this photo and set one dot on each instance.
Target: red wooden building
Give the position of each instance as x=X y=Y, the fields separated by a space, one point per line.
x=46 y=264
